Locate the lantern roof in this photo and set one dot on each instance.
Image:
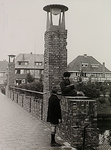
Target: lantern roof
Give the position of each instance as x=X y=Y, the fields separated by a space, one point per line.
x=62 y=7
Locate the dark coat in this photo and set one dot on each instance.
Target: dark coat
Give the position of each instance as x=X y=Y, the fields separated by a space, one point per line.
x=67 y=89
x=54 y=110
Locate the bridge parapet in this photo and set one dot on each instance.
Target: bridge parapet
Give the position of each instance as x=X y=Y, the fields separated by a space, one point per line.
x=79 y=115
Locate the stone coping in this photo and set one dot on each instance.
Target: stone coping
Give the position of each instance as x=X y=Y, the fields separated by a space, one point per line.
x=79 y=98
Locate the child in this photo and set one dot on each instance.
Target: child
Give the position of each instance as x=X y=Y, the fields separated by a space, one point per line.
x=68 y=89
x=54 y=114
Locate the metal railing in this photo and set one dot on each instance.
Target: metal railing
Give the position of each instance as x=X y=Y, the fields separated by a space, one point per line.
x=31 y=101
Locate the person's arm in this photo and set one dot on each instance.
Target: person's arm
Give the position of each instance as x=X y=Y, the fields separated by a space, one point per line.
x=58 y=108
x=66 y=89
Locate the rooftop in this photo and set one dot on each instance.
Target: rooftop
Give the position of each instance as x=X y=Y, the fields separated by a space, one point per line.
x=92 y=64
x=31 y=59
x=3 y=66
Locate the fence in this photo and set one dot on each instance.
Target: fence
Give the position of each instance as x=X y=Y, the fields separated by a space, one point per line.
x=31 y=101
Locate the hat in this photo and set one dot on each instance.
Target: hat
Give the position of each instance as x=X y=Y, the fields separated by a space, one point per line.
x=66 y=74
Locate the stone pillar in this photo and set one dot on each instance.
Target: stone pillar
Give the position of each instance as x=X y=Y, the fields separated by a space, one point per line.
x=10 y=72
x=55 y=53
x=103 y=70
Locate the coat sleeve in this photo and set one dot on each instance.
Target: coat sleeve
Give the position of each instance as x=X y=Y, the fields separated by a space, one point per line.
x=65 y=89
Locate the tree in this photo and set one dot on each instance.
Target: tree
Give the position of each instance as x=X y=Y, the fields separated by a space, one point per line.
x=109 y=97
x=29 y=78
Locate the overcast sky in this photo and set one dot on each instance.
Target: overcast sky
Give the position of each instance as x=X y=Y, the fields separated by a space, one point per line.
x=23 y=23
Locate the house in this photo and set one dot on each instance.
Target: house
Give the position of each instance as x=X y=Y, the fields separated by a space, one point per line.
x=28 y=63
x=3 y=70
x=87 y=68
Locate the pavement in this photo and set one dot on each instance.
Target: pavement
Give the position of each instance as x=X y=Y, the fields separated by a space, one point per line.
x=19 y=130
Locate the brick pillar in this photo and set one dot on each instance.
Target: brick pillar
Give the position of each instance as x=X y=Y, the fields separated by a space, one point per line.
x=10 y=73
x=55 y=53
x=55 y=58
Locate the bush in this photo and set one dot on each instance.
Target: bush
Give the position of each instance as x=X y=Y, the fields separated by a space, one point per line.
x=101 y=100
x=90 y=89
x=3 y=90
x=34 y=86
x=109 y=97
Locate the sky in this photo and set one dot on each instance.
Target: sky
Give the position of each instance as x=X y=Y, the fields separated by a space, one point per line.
x=88 y=22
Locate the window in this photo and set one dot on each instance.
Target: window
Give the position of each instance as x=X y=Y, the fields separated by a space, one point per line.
x=21 y=71
x=19 y=63
x=18 y=82
x=23 y=80
x=17 y=71
x=1 y=74
x=94 y=65
x=37 y=73
x=27 y=71
x=38 y=63
x=84 y=64
x=24 y=63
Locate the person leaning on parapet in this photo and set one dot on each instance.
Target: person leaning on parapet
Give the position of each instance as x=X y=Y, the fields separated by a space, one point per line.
x=54 y=114
x=68 y=89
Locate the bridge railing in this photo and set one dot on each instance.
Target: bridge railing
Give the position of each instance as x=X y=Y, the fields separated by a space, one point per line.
x=77 y=113
x=31 y=101
x=79 y=122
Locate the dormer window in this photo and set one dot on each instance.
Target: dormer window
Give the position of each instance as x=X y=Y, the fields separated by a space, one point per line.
x=84 y=64
x=38 y=63
x=24 y=63
x=95 y=65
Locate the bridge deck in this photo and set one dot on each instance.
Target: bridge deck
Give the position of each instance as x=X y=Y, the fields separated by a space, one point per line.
x=21 y=131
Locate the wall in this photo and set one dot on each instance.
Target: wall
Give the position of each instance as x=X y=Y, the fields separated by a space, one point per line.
x=77 y=113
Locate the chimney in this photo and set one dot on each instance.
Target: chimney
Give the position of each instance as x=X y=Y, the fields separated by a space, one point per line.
x=103 y=69
x=85 y=55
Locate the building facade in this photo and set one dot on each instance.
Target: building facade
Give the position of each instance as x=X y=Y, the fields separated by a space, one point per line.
x=87 y=68
x=83 y=67
x=3 y=72
x=28 y=63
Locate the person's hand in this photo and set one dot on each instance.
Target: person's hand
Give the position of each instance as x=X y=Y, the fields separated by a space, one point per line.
x=80 y=93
